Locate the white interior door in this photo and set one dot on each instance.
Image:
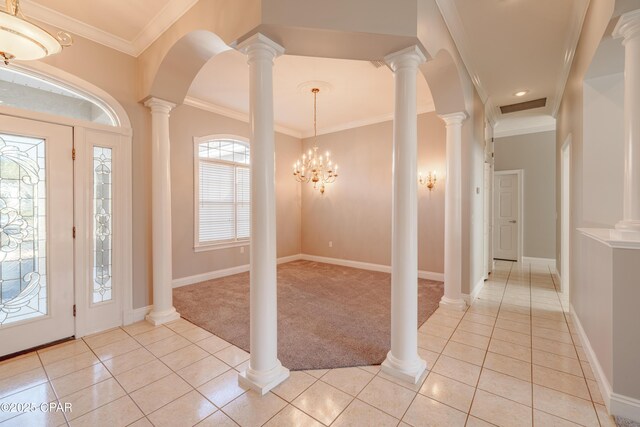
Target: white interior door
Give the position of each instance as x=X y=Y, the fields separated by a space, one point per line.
x=36 y=234
x=487 y=220
x=506 y=214
x=565 y=225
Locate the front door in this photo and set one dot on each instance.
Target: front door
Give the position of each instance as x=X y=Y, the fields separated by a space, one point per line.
x=506 y=214
x=36 y=234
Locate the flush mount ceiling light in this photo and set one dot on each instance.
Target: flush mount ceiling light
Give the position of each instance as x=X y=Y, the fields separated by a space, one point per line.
x=22 y=40
x=521 y=93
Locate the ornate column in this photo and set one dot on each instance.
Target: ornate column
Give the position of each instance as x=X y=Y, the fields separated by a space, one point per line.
x=453 y=214
x=163 y=310
x=265 y=370
x=403 y=361
x=629 y=28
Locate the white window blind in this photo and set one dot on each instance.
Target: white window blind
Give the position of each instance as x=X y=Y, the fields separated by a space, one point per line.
x=223 y=199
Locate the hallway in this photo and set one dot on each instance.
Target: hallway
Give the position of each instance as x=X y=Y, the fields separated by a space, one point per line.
x=534 y=373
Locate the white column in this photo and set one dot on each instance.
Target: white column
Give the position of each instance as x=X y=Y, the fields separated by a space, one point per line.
x=453 y=214
x=265 y=370
x=403 y=361
x=163 y=310
x=629 y=28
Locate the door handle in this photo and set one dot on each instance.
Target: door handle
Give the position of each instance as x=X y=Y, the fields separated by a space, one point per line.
x=513 y=221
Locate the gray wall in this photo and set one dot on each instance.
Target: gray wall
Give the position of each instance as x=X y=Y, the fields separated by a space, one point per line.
x=535 y=153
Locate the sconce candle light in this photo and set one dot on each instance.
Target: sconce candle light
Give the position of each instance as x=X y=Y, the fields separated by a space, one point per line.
x=429 y=181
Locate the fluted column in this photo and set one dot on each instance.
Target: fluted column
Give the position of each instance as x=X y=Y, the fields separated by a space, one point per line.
x=452 y=297
x=403 y=361
x=163 y=310
x=265 y=370
x=628 y=28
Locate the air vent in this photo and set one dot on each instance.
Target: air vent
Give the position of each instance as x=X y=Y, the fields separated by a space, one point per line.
x=528 y=105
x=378 y=63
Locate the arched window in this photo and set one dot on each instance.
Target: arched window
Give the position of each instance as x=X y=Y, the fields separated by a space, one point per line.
x=28 y=90
x=222 y=193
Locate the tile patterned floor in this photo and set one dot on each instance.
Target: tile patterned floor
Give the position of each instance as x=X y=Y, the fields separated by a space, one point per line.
x=512 y=359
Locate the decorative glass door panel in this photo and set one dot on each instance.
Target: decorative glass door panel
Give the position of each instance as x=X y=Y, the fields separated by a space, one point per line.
x=103 y=213
x=36 y=241
x=23 y=278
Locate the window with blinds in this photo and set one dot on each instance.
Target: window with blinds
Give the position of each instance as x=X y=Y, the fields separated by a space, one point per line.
x=223 y=193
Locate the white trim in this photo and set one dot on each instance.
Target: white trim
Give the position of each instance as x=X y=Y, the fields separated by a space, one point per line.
x=218 y=246
x=598 y=372
x=422 y=274
x=570 y=45
x=615 y=239
x=203 y=277
x=520 y=173
x=244 y=117
x=362 y=122
x=233 y=114
x=524 y=130
x=166 y=17
x=625 y=406
x=547 y=261
x=189 y=280
x=136 y=314
x=470 y=298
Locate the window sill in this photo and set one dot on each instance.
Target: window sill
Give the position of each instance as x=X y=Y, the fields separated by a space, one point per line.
x=216 y=246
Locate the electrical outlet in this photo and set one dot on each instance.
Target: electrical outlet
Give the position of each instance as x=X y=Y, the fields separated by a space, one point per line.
x=241 y=249
x=330 y=244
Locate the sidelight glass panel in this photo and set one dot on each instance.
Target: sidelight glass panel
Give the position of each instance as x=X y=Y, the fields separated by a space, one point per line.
x=23 y=284
x=103 y=224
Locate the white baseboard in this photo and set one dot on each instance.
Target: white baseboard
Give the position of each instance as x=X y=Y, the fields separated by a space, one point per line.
x=547 y=261
x=598 y=372
x=197 y=278
x=625 y=406
x=136 y=314
x=470 y=298
x=429 y=275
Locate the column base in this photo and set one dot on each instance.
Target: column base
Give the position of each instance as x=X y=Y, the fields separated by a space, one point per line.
x=160 y=317
x=409 y=372
x=453 y=304
x=261 y=381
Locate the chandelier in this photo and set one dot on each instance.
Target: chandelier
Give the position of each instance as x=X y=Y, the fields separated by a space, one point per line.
x=22 y=40
x=313 y=167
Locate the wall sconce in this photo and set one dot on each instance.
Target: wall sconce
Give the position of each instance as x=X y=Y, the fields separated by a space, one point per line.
x=429 y=181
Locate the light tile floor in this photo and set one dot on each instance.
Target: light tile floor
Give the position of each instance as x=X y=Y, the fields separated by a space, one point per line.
x=512 y=359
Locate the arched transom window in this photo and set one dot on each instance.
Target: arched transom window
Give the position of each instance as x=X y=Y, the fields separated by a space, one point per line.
x=222 y=196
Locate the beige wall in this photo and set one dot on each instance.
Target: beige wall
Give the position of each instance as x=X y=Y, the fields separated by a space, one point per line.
x=535 y=153
x=189 y=122
x=355 y=212
x=115 y=73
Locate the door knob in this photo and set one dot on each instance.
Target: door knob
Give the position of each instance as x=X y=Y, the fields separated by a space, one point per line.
x=513 y=221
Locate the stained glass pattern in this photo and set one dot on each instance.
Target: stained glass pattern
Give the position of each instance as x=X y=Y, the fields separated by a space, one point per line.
x=102 y=213
x=23 y=280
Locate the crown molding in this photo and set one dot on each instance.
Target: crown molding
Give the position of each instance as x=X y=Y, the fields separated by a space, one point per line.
x=170 y=13
x=524 y=130
x=571 y=43
x=167 y=16
x=233 y=114
x=452 y=19
x=244 y=117
x=360 y=123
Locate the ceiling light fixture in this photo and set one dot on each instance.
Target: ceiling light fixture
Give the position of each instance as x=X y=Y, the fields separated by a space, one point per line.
x=22 y=40
x=521 y=93
x=314 y=168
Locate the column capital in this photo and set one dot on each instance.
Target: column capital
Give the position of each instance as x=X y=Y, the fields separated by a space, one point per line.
x=453 y=118
x=158 y=105
x=411 y=56
x=628 y=26
x=260 y=43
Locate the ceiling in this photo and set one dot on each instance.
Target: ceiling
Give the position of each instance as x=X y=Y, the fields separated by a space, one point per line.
x=514 y=45
x=128 y=26
x=360 y=93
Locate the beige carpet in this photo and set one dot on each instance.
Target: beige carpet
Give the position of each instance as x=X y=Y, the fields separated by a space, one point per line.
x=328 y=316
